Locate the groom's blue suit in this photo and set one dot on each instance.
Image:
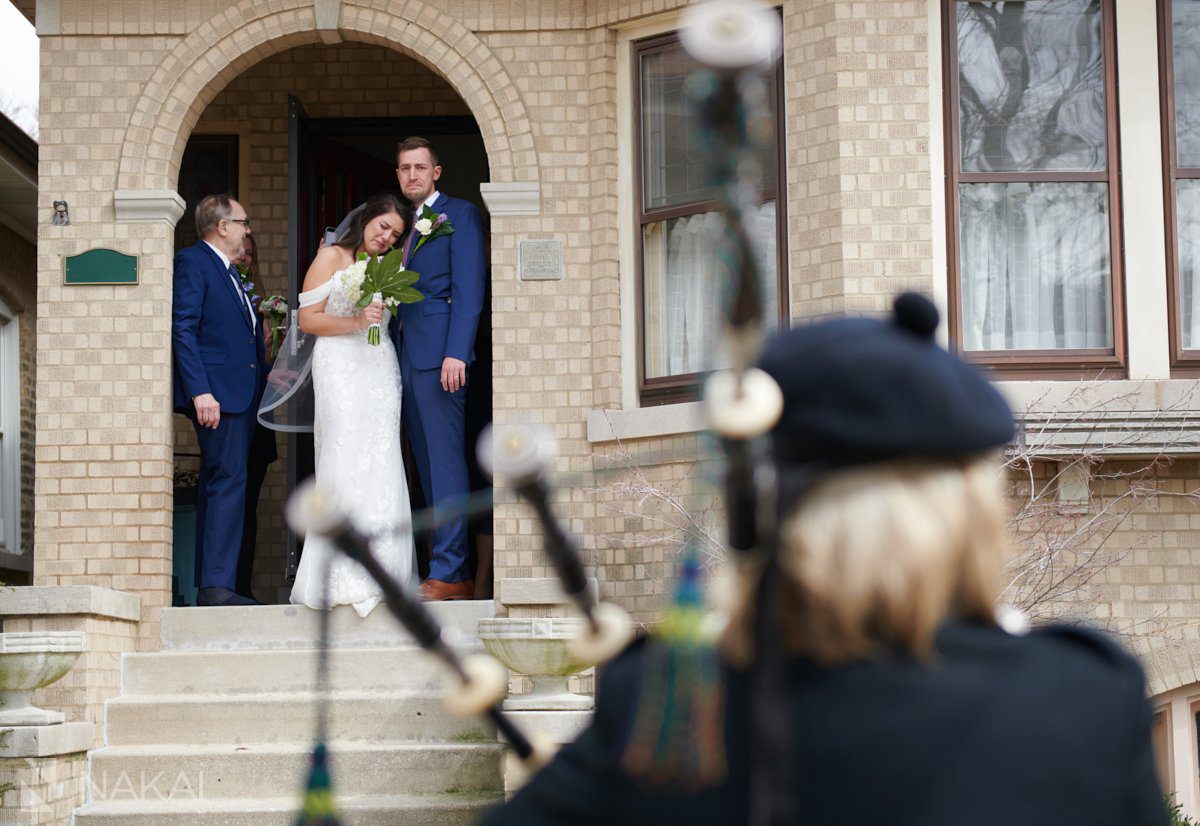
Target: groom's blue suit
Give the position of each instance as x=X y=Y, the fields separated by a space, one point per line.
x=443 y=324
x=217 y=350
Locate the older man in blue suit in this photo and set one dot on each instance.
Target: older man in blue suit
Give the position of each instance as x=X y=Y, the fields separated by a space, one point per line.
x=436 y=345
x=220 y=372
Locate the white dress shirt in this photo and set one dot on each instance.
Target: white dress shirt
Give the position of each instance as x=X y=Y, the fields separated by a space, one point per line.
x=237 y=283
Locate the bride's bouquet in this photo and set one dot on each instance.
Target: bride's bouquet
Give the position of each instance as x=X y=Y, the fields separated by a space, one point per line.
x=380 y=279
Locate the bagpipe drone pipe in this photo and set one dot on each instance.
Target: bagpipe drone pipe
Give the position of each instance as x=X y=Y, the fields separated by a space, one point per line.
x=734 y=43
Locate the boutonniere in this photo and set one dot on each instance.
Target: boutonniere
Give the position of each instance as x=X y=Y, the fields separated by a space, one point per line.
x=431 y=225
x=248 y=286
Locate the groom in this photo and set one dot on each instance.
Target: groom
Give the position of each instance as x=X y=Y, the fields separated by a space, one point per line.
x=436 y=344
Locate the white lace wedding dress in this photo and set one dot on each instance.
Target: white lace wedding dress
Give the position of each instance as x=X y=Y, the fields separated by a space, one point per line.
x=357 y=449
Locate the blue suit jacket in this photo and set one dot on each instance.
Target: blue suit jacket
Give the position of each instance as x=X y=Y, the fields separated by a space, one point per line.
x=216 y=350
x=451 y=268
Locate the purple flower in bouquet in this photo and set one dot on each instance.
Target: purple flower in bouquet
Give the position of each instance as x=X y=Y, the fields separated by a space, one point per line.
x=275 y=310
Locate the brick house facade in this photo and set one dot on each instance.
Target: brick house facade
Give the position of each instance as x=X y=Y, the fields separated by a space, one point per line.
x=552 y=88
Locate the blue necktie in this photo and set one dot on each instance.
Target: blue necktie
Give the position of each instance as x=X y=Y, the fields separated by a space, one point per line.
x=237 y=280
x=408 y=245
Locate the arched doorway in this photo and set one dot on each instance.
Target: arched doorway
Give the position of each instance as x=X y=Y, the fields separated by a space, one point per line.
x=211 y=56
x=300 y=138
x=336 y=162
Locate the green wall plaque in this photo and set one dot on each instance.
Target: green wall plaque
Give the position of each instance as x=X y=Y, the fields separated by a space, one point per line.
x=101 y=266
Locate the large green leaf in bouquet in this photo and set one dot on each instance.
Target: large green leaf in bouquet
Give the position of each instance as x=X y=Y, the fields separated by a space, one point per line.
x=388 y=277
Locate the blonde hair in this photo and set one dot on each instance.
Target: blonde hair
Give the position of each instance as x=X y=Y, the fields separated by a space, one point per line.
x=875 y=558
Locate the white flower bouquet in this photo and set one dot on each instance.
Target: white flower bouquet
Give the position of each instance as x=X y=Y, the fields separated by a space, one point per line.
x=380 y=279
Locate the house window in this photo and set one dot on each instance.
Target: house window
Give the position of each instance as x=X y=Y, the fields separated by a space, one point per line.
x=209 y=167
x=1160 y=740
x=1179 y=63
x=1174 y=734
x=680 y=294
x=1035 y=282
x=10 y=430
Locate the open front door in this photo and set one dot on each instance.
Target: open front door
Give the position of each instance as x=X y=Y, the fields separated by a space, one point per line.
x=302 y=246
x=334 y=164
x=326 y=179
x=347 y=177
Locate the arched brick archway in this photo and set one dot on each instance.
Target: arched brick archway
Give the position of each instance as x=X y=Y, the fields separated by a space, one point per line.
x=1170 y=662
x=201 y=65
x=210 y=57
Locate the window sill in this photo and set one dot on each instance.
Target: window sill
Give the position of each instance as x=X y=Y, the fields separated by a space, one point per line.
x=15 y=561
x=645 y=422
x=1117 y=418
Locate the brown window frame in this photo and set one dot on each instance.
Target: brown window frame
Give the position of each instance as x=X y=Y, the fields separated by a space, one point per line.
x=1184 y=363
x=686 y=387
x=1036 y=364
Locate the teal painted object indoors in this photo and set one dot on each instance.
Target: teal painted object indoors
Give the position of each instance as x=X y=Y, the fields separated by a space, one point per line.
x=183 y=557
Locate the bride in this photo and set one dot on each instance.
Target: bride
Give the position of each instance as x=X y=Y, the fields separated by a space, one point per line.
x=356 y=421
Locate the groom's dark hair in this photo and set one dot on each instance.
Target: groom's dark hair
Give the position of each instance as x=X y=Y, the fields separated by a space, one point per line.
x=416 y=143
x=371 y=209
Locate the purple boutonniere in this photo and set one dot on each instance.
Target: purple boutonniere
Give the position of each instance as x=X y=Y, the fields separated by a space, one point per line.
x=431 y=225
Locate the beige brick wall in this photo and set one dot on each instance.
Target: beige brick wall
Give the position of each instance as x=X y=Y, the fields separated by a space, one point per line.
x=857 y=100
x=103 y=486
x=1133 y=565
x=45 y=790
x=18 y=288
x=610 y=12
x=604 y=267
x=543 y=332
x=176 y=17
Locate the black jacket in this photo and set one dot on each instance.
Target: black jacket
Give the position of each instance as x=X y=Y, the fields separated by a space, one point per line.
x=1049 y=729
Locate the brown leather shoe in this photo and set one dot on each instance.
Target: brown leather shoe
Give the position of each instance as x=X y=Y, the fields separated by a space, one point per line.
x=434 y=590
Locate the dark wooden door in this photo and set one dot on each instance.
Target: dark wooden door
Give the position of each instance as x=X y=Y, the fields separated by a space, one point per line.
x=336 y=164
x=346 y=178
x=326 y=179
x=303 y=143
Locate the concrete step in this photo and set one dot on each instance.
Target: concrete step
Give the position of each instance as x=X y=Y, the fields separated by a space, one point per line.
x=401 y=668
x=459 y=809
x=288 y=627
x=357 y=716
x=223 y=771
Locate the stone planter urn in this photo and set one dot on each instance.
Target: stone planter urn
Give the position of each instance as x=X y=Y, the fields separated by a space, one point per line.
x=537 y=647
x=29 y=661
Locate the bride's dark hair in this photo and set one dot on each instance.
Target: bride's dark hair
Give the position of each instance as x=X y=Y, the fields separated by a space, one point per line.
x=381 y=204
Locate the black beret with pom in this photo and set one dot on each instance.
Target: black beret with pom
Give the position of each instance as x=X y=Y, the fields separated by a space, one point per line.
x=860 y=390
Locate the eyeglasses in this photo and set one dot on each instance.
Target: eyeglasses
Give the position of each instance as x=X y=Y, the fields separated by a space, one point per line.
x=243 y=221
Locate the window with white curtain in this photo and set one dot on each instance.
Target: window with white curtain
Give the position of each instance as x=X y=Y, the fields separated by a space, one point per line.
x=10 y=428
x=677 y=222
x=1179 y=53
x=1033 y=163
